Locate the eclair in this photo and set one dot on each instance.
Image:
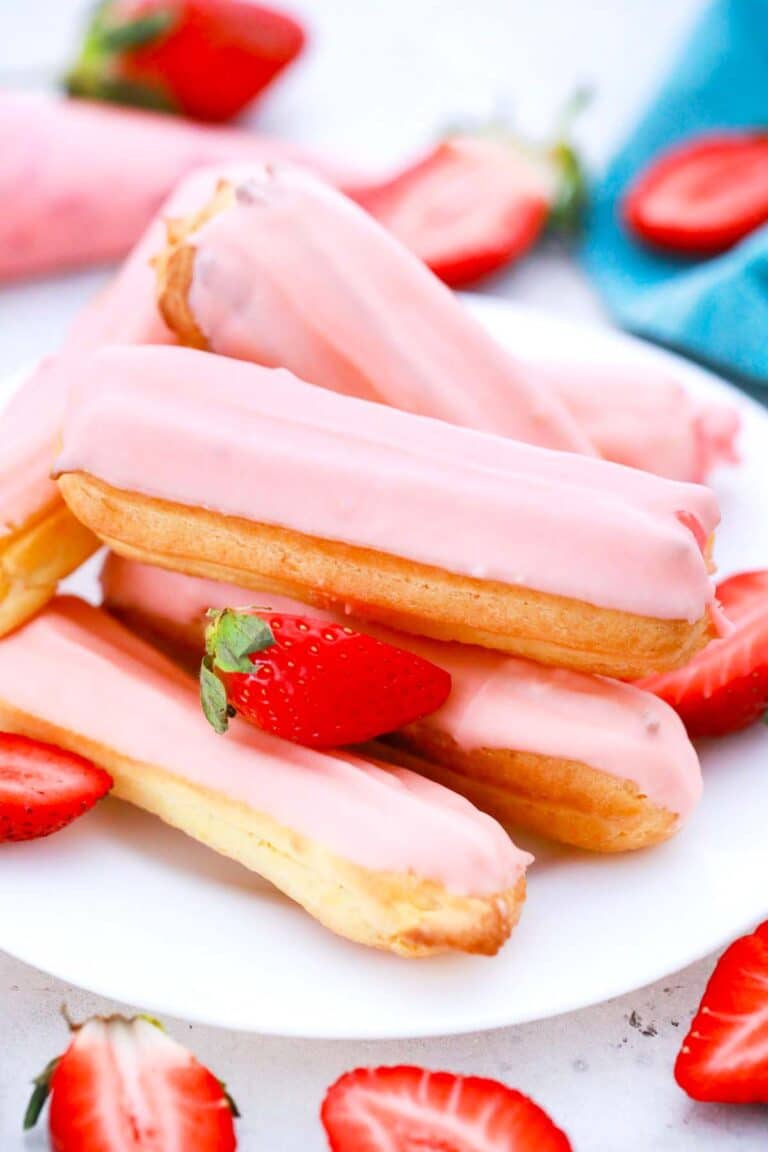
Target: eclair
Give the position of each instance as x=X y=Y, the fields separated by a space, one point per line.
x=643 y=416
x=580 y=759
x=381 y=856
x=219 y=468
x=68 y=196
x=280 y=269
x=40 y=540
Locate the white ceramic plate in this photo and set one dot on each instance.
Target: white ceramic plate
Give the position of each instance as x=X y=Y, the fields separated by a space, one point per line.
x=126 y=907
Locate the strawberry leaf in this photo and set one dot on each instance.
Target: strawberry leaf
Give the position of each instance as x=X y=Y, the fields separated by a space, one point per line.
x=213 y=698
x=135 y=33
x=233 y=637
x=40 y=1094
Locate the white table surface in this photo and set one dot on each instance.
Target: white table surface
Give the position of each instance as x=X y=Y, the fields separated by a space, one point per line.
x=382 y=77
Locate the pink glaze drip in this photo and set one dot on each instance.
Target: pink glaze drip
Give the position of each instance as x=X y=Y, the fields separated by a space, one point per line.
x=496 y=701
x=642 y=417
x=258 y=443
x=294 y=275
x=120 y=692
x=79 y=182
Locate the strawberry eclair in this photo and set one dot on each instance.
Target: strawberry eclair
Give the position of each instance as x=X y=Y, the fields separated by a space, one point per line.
x=67 y=194
x=381 y=856
x=40 y=540
x=581 y=759
x=220 y=468
x=282 y=270
x=642 y=417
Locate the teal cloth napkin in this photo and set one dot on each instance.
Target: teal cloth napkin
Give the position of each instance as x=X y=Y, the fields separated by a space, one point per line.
x=715 y=310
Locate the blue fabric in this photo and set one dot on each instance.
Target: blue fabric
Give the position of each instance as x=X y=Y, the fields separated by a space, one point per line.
x=715 y=310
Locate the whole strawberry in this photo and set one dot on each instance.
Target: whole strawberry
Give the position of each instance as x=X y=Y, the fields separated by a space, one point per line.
x=206 y=59
x=43 y=788
x=408 y=1109
x=318 y=684
x=124 y=1086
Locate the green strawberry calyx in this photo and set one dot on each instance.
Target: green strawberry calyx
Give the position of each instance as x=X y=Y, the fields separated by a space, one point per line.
x=232 y=636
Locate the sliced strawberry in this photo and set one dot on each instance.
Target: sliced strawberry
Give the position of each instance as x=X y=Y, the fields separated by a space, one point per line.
x=318 y=684
x=702 y=196
x=207 y=59
x=725 y=687
x=468 y=208
x=124 y=1086
x=43 y=788
x=478 y=202
x=406 y=1109
x=724 y=1057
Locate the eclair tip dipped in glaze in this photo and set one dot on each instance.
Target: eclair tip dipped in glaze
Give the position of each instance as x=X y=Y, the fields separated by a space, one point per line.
x=380 y=856
x=587 y=761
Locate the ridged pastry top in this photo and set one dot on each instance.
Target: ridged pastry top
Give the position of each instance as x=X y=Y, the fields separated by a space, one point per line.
x=75 y=667
x=246 y=441
x=294 y=275
x=496 y=701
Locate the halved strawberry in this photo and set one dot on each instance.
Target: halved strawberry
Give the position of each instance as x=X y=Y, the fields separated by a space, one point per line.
x=124 y=1086
x=703 y=195
x=318 y=684
x=724 y=1057
x=479 y=201
x=43 y=788
x=406 y=1109
x=725 y=687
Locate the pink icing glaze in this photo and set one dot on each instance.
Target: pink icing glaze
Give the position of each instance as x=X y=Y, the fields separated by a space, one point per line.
x=496 y=701
x=634 y=415
x=120 y=692
x=258 y=443
x=29 y=427
x=79 y=182
x=294 y=275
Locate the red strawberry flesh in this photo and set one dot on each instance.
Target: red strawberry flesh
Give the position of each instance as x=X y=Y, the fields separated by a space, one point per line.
x=43 y=788
x=408 y=1109
x=725 y=687
x=724 y=1057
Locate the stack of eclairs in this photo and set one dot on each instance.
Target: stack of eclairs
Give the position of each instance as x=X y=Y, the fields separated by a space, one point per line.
x=274 y=403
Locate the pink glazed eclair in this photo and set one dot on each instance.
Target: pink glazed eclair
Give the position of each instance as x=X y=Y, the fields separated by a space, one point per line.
x=381 y=856
x=220 y=468
x=643 y=417
x=581 y=759
x=67 y=196
x=282 y=270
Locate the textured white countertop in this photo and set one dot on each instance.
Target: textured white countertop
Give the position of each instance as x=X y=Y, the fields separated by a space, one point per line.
x=382 y=77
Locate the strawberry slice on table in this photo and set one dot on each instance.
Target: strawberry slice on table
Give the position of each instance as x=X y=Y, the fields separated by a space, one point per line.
x=206 y=59
x=124 y=1086
x=43 y=788
x=478 y=202
x=724 y=1057
x=405 y=1109
x=315 y=683
x=725 y=687
x=703 y=195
